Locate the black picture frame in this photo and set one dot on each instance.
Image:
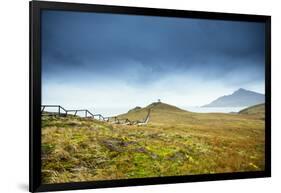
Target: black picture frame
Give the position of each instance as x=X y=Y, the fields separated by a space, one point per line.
x=36 y=7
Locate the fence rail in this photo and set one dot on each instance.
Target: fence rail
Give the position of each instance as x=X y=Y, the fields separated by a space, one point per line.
x=61 y=111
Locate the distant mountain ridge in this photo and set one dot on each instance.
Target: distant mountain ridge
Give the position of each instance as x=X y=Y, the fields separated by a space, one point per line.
x=240 y=97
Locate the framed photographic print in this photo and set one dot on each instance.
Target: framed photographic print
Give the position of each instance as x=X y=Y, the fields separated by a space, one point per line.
x=124 y=96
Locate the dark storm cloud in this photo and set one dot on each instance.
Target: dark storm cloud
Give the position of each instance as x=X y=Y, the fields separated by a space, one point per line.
x=143 y=49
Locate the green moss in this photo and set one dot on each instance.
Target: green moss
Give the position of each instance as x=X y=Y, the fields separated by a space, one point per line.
x=47 y=148
x=184 y=143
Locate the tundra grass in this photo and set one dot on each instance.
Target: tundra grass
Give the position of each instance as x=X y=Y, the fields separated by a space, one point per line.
x=77 y=149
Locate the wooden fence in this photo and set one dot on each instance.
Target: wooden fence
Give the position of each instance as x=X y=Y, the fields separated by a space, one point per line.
x=61 y=111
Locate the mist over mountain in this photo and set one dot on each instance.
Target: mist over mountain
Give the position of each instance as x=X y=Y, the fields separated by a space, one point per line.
x=240 y=97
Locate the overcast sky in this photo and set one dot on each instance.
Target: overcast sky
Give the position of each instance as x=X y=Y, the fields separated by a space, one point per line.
x=111 y=61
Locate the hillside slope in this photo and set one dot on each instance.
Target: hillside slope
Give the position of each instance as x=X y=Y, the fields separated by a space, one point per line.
x=159 y=113
x=256 y=110
x=78 y=149
x=168 y=115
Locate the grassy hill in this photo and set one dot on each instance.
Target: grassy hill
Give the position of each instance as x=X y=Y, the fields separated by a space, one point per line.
x=256 y=110
x=160 y=113
x=166 y=115
x=175 y=142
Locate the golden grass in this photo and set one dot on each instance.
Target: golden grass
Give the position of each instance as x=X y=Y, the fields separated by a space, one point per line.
x=173 y=143
x=257 y=111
